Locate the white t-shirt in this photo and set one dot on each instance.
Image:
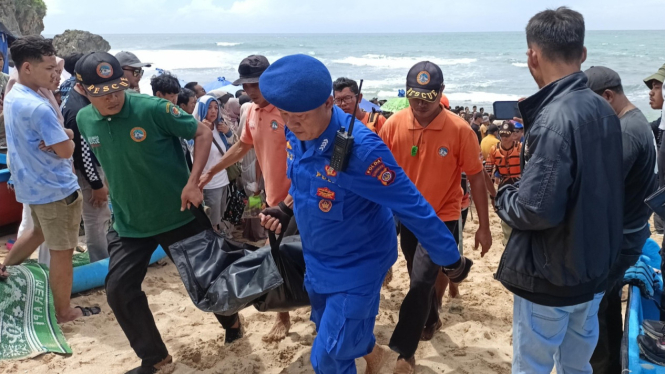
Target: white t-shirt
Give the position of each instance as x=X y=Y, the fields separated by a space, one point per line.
x=221 y=179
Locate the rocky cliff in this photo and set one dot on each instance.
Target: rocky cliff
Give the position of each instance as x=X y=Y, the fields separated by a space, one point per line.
x=23 y=17
x=79 y=41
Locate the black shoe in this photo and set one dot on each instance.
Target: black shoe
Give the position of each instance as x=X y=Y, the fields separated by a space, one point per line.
x=653 y=350
x=234 y=334
x=143 y=370
x=654 y=329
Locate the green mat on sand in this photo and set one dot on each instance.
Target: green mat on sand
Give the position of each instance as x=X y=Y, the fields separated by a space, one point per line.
x=27 y=317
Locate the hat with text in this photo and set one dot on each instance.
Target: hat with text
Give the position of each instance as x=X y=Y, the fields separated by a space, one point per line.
x=601 y=78
x=251 y=68
x=100 y=74
x=129 y=59
x=507 y=128
x=659 y=76
x=296 y=83
x=424 y=81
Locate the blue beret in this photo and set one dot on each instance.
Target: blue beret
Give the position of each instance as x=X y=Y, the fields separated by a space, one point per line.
x=296 y=83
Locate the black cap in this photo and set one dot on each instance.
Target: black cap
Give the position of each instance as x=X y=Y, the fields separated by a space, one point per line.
x=251 y=69
x=424 y=81
x=100 y=74
x=506 y=128
x=602 y=78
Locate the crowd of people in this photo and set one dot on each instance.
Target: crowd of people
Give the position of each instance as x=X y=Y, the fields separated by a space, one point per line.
x=572 y=214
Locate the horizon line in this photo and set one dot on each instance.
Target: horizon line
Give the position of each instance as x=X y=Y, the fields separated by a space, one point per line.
x=336 y=33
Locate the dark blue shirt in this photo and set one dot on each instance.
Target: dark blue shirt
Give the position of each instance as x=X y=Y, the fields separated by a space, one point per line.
x=345 y=219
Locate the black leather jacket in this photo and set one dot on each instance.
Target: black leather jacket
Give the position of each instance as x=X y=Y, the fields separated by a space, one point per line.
x=567 y=210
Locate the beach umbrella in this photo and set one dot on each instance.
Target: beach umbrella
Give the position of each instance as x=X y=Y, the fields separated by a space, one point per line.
x=217 y=83
x=368 y=106
x=395 y=104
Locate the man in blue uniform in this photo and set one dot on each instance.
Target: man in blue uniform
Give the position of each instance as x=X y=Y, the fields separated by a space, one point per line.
x=345 y=217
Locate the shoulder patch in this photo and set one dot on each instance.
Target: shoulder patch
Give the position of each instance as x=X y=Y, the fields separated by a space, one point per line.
x=173 y=109
x=380 y=171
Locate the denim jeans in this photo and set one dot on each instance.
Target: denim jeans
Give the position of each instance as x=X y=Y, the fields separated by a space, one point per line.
x=546 y=336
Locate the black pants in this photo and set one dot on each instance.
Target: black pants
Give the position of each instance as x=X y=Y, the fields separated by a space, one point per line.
x=420 y=307
x=606 y=357
x=128 y=265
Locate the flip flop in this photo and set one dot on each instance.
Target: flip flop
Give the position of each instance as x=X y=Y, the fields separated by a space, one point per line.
x=3 y=277
x=89 y=311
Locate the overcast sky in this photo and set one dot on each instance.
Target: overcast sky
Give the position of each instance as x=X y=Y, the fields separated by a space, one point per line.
x=336 y=16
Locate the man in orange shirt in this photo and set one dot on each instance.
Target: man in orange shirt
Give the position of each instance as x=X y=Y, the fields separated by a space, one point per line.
x=264 y=131
x=344 y=92
x=434 y=147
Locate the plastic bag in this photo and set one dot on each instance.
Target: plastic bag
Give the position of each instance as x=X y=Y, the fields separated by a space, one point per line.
x=254 y=206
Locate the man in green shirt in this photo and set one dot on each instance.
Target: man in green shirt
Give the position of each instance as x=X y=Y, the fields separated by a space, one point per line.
x=136 y=140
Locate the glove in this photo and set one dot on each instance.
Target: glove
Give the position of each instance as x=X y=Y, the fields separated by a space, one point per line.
x=641 y=275
x=282 y=212
x=459 y=270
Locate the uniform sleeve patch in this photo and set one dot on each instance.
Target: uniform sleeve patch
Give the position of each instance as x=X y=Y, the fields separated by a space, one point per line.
x=380 y=171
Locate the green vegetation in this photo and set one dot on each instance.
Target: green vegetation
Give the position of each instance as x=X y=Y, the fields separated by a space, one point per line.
x=38 y=5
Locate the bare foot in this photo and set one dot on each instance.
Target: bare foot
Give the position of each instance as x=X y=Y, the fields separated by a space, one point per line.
x=375 y=360
x=280 y=329
x=454 y=290
x=405 y=366
x=4 y=274
x=68 y=316
x=389 y=277
x=428 y=332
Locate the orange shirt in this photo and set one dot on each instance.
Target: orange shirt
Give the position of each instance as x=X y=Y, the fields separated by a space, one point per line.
x=377 y=124
x=264 y=130
x=446 y=148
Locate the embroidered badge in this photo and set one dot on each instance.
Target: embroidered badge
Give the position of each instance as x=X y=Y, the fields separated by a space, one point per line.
x=380 y=171
x=325 y=193
x=274 y=125
x=423 y=78
x=138 y=134
x=330 y=171
x=323 y=146
x=288 y=145
x=387 y=177
x=175 y=111
x=443 y=151
x=325 y=206
x=93 y=141
x=104 y=70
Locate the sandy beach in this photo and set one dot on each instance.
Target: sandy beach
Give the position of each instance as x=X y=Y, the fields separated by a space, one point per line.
x=475 y=338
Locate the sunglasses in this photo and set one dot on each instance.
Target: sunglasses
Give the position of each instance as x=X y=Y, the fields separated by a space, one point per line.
x=135 y=72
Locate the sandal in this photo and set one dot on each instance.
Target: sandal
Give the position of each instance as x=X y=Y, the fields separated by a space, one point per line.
x=89 y=311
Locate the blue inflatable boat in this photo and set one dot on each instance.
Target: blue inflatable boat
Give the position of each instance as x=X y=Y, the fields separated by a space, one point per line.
x=638 y=310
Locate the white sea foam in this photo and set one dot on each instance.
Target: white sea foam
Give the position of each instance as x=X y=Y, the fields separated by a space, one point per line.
x=480 y=97
x=381 y=61
x=171 y=59
x=227 y=44
x=520 y=64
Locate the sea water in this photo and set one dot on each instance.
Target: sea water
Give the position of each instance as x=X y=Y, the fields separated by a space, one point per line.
x=479 y=68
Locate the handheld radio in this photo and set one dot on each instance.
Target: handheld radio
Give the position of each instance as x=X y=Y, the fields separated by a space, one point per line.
x=344 y=141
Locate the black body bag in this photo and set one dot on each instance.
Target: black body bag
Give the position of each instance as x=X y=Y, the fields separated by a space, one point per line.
x=223 y=276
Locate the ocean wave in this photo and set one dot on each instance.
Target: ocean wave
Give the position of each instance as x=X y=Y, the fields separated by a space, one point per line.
x=382 y=61
x=480 y=97
x=170 y=59
x=227 y=44
x=520 y=64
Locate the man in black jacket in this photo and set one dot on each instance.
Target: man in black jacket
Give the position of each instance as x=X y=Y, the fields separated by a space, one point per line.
x=640 y=181
x=92 y=179
x=567 y=210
